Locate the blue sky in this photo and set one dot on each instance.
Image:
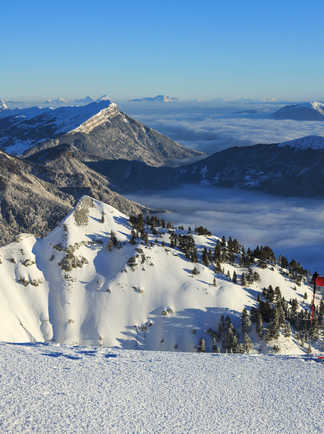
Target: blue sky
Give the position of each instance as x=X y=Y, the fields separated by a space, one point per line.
x=189 y=49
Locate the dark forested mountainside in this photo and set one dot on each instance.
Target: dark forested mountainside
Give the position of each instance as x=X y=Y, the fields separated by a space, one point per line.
x=274 y=169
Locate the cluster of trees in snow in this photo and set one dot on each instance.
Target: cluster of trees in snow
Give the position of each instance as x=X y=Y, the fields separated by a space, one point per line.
x=281 y=314
x=272 y=316
x=227 y=338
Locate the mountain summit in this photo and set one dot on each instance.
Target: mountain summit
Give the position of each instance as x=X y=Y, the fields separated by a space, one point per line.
x=310 y=111
x=98 y=129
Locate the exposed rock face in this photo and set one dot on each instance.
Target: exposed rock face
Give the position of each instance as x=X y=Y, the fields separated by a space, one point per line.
x=121 y=137
x=28 y=204
x=61 y=166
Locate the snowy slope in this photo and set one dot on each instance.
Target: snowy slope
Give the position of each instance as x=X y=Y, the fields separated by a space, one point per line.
x=156 y=303
x=56 y=389
x=308 y=142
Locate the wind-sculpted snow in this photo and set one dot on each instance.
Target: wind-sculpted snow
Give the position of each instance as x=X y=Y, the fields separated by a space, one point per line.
x=51 y=388
x=88 y=283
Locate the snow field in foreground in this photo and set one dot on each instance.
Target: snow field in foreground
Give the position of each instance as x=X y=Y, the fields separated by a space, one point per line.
x=51 y=388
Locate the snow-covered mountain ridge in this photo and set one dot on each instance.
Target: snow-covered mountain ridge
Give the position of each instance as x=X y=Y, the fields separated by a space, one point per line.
x=98 y=119
x=98 y=129
x=98 y=279
x=21 y=129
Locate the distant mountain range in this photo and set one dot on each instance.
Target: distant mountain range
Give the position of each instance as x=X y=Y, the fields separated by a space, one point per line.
x=98 y=128
x=36 y=191
x=95 y=149
x=49 y=103
x=310 y=111
x=158 y=98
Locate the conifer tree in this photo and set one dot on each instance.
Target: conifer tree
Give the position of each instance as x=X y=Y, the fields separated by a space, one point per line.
x=321 y=309
x=270 y=294
x=294 y=306
x=314 y=332
x=248 y=345
x=249 y=277
x=202 y=345
x=277 y=294
x=133 y=237
x=259 y=324
x=113 y=238
x=214 y=345
x=274 y=326
x=287 y=330
x=218 y=267
x=110 y=245
x=245 y=321
x=205 y=258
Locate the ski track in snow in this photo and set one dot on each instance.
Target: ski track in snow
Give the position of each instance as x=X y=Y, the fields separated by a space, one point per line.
x=51 y=388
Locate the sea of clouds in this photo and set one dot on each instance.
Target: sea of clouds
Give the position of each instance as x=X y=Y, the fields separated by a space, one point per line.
x=215 y=126
x=291 y=226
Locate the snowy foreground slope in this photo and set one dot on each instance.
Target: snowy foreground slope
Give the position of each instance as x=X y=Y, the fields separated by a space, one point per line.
x=48 y=388
x=86 y=283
